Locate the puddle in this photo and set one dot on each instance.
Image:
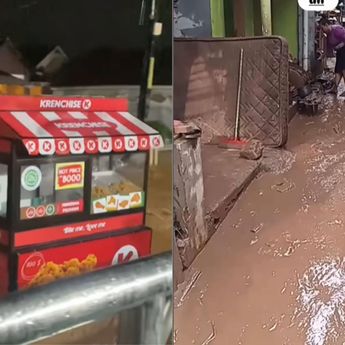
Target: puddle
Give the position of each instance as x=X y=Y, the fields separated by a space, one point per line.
x=321 y=302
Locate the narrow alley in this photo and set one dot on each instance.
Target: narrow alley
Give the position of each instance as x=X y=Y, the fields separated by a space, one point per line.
x=274 y=272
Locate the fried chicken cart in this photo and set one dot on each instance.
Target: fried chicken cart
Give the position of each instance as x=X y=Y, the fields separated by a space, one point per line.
x=73 y=187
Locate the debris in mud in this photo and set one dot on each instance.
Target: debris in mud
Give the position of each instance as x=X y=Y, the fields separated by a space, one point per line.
x=257 y=228
x=273 y=327
x=175 y=335
x=337 y=129
x=277 y=161
x=270 y=244
x=289 y=251
x=202 y=295
x=264 y=251
x=252 y=150
x=252 y=242
x=284 y=288
x=293 y=245
x=271 y=248
x=328 y=169
x=335 y=222
x=238 y=224
x=189 y=287
x=284 y=186
x=212 y=336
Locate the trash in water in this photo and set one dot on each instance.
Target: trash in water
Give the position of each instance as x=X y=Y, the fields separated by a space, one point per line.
x=284 y=186
x=175 y=335
x=190 y=286
x=284 y=288
x=212 y=336
x=252 y=242
x=273 y=327
x=257 y=229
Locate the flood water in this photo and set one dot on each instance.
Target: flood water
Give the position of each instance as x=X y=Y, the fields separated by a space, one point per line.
x=274 y=272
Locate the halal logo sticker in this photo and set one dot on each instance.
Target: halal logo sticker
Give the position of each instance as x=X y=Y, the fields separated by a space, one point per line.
x=50 y=210
x=86 y=104
x=31 y=178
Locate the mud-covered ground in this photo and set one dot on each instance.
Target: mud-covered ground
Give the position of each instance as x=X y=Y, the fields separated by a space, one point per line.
x=274 y=273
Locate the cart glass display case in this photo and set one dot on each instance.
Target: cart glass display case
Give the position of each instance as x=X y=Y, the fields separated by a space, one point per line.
x=117 y=183
x=73 y=186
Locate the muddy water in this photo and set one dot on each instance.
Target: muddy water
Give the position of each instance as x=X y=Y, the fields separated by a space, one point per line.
x=274 y=273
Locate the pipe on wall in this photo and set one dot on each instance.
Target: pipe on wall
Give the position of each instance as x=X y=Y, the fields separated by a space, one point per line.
x=266 y=17
x=305 y=40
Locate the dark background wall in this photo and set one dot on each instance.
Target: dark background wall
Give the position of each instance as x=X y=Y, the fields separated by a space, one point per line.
x=102 y=38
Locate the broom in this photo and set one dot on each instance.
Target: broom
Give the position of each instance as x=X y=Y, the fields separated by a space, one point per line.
x=236 y=143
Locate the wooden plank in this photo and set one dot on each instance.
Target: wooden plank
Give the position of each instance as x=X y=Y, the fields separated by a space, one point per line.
x=217 y=18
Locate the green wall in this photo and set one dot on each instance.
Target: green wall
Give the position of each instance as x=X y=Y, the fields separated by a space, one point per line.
x=257 y=18
x=217 y=18
x=229 y=18
x=285 y=22
x=249 y=18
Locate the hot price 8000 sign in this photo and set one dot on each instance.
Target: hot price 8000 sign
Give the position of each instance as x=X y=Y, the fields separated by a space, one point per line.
x=69 y=175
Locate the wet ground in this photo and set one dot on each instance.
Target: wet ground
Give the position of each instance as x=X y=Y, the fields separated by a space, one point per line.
x=274 y=272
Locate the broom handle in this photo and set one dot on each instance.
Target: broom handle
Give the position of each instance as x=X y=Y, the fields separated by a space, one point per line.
x=237 y=123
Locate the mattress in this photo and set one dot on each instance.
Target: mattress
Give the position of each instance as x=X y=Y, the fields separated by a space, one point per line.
x=206 y=76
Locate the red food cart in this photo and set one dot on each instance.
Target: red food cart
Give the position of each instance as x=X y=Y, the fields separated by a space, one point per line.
x=73 y=187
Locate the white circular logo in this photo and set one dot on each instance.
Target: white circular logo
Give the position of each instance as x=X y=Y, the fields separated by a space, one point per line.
x=86 y=105
x=91 y=145
x=125 y=254
x=32 y=265
x=62 y=146
x=31 y=146
x=31 y=178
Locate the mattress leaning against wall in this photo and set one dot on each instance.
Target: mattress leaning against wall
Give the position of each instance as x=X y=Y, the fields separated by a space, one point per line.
x=205 y=87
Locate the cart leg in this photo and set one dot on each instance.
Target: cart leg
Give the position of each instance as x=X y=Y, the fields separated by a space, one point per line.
x=151 y=157
x=156 y=323
x=156 y=152
x=130 y=322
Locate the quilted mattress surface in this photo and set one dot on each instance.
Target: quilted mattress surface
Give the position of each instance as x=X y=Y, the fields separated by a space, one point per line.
x=206 y=76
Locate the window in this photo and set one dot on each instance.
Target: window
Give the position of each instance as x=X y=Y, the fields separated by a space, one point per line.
x=3 y=190
x=52 y=189
x=117 y=182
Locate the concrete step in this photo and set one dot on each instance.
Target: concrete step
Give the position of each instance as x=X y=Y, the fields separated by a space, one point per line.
x=226 y=175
